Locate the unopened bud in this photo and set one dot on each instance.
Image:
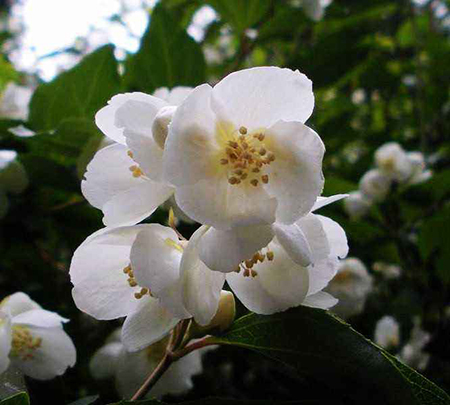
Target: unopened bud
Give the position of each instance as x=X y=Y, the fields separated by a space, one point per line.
x=160 y=127
x=223 y=319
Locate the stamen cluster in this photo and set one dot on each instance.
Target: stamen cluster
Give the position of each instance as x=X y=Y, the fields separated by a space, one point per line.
x=246 y=155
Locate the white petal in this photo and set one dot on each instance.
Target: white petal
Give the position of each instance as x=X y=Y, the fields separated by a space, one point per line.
x=295 y=177
x=375 y=185
x=191 y=142
x=155 y=260
x=40 y=318
x=130 y=110
x=224 y=206
x=108 y=174
x=136 y=204
x=5 y=341
x=337 y=239
x=200 y=286
x=321 y=273
x=55 y=354
x=258 y=97
x=225 y=250
x=110 y=186
x=280 y=284
x=104 y=362
x=321 y=300
x=150 y=323
x=17 y=303
x=316 y=236
x=178 y=94
x=294 y=241
x=324 y=201
x=100 y=285
x=147 y=153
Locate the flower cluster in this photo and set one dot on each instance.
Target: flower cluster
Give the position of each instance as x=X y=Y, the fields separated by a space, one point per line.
x=393 y=166
x=238 y=159
x=32 y=339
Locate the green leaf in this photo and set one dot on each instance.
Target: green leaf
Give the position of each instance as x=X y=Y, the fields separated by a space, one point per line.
x=322 y=347
x=167 y=57
x=17 y=399
x=73 y=138
x=78 y=93
x=241 y=14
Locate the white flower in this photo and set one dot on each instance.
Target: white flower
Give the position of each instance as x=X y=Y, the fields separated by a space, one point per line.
x=32 y=339
x=357 y=204
x=239 y=153
x=375 y=185
x=350 y=286
x=14 y=102
x=124 y=179
x=130 y=369
x=291 y=270
x=419 y=172
x=105 y=286
x=136 y=272
x=387 y=332
x=412 y=353
x=393 y=161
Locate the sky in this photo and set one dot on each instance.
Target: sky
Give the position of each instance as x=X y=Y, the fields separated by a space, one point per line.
x=51 y=26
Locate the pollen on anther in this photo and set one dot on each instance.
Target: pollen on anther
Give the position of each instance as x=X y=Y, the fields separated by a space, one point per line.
x=233 y=180
x=270 y=255
x=254 y=182
x=223 y=161
x=265 y=179
x=262 y=151
x=243 y=130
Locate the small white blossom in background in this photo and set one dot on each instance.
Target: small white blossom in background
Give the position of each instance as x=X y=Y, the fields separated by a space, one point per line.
x=387 y=333
x=130 y=369
x=412 y=353
x=375 y=185
x=357 y=205
x=13 y=178
x=14 y=102
x=388 y=271
x=351 y=286
x=393 y=161
x=314 y=9
x=393 y=166
x=419 y=172
x=32 y=339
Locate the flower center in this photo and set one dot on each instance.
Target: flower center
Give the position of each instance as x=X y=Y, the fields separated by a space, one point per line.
x=24 y=343
x=133 y=283
x=258 y=257
x=245 y=156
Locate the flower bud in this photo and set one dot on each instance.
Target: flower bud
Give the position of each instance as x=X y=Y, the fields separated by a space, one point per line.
x=160 y=127
x=375 y=185
x=223 y=319
x=356 y=205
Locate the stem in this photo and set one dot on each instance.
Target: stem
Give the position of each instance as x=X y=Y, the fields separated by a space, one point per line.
x=190 y=348
x=151 y=380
